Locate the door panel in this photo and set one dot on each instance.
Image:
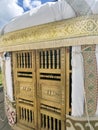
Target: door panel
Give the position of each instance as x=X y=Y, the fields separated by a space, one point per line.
x=39 y=80
x=51 y=89
x=25 y=88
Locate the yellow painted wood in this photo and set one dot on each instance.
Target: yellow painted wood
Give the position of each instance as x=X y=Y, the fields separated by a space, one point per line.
x=56 y=34
x=41 y=82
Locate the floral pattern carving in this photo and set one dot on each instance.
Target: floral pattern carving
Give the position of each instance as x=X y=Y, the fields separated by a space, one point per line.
x=71 y=28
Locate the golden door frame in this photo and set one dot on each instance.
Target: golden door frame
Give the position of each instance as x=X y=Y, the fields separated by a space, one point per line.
x=42 y=88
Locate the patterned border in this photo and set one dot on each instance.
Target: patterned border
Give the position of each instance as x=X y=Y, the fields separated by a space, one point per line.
x=10 y=111
x=81 y=123
x=90 y=78
x=65 y=29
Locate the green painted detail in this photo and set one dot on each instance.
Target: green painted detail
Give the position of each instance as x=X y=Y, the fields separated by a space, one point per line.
x=88 y=49
x=89 y=61
x=90 y=87
x=90 y=101
x=90 y=111
x=91 y=75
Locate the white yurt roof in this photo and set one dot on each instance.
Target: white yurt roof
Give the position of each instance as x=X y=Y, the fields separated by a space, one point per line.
x=48 y=12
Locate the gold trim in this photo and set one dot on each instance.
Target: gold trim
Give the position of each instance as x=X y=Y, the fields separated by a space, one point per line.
x=70 y=29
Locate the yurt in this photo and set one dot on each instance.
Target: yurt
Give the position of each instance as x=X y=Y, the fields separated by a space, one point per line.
x=49 y=59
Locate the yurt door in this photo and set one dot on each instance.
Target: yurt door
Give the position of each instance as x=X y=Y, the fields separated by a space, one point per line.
x=25 y=88
x=39 y=79
x=51 y=89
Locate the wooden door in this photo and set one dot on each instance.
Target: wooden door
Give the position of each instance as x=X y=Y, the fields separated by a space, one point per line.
x=25 y=88
x=41 y=88
x=51 y=89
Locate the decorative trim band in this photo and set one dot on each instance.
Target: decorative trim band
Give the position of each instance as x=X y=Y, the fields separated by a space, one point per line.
x=90 y=76
x=85 y=26
x=83 y=123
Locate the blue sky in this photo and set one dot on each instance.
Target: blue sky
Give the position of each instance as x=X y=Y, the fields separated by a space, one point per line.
x=27 y=4
x=12 y=8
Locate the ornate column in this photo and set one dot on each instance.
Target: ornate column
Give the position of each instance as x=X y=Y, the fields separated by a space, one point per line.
x=90 y=79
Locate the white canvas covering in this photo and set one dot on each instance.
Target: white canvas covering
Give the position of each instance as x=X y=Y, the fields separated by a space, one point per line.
x=93 y=5
x=78 y=93
x=77 y=82
x=49 y=12
x=8 y=78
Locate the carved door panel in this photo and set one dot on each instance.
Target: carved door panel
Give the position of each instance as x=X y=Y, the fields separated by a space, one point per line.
x=51 y=89
x=39 y=80
x=25 y=88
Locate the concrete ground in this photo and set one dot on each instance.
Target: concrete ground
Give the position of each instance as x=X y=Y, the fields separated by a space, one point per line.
x=3 y=119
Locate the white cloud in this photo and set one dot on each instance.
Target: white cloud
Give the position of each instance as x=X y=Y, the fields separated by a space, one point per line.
x=8 y=10
x=31 y=4
x=35 y=3
x=26 y=3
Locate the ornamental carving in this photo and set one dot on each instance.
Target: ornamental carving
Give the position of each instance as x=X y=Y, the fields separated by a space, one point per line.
x=65 y=29
x=75 y=123
x=51 y=94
